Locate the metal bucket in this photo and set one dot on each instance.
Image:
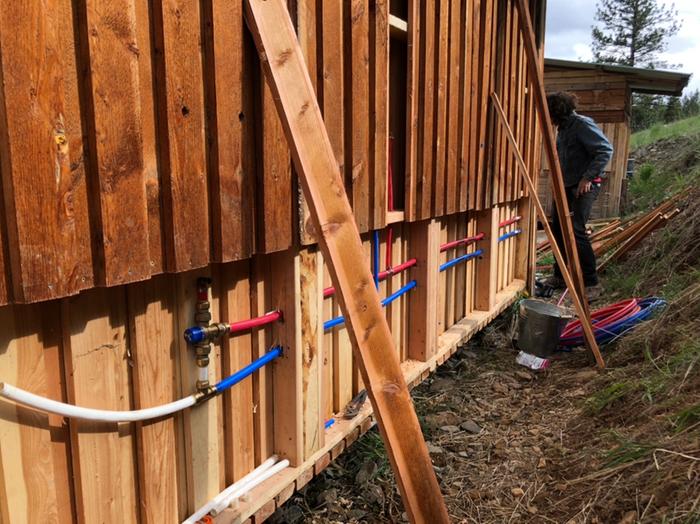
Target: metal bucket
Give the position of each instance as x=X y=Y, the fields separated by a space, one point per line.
x=539 y=327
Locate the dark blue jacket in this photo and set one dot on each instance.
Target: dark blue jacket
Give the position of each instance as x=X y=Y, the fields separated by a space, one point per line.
x=583 y=149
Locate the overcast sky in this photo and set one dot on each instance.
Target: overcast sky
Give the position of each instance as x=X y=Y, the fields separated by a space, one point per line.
x=569 y=34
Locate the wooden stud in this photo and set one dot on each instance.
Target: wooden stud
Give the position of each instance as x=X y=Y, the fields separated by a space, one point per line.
x=284 y=280
x=487 y=265
x=262 y=380
x=426 y=102
x=379 y=109
x=413 y=94
x=275 y=180
x=340 y=242
x=310 y=311
x=357 y=139
x=97 y=357
x=229 y=118
x=35 y=482
x=237 y=352
x=453 y=115
x=443 y=31
x=465 y=105
x=180 y=109
x=115 y=145
x=203 y=445
x=152 y=329
x=424 y=245
x=45 y=201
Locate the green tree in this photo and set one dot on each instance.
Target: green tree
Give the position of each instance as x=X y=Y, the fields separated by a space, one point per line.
x=690 y=104
x=633 y=32
x=672 y=111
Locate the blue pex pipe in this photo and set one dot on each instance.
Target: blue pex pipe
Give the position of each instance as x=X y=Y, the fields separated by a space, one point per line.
x=506 y=236
x=251 y=368
x=328 y=324
x=459 y=260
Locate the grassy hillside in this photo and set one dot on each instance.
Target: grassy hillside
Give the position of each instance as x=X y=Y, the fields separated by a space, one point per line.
x=667 y=159
x=686 y=127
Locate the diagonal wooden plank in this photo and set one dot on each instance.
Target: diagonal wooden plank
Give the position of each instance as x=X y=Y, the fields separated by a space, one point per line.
x=537 y=80
x=340 y=242
x=568 y=278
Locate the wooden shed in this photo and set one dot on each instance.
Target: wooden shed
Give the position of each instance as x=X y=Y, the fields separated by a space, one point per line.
x=147 y=183
x=605 y=94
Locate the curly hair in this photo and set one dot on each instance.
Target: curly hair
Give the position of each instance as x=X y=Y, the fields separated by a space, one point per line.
x=561 y=106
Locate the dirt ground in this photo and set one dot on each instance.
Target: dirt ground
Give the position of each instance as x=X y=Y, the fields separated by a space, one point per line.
x=509 y=445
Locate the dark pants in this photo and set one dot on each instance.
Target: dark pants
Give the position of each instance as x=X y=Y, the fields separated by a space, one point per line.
x=580 y=209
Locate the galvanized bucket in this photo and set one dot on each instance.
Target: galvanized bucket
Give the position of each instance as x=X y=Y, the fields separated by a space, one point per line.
x=539 y=326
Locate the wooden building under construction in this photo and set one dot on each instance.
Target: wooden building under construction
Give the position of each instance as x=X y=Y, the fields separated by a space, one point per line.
x=141 y=151
x=605 y=94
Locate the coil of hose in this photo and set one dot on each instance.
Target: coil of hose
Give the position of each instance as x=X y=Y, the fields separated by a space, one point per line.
x=612 y=321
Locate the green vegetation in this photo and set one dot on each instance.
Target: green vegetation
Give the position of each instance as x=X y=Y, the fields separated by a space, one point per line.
x=627 y=451
x=686 y=127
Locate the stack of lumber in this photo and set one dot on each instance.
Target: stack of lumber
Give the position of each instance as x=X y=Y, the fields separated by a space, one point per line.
x=619 y=236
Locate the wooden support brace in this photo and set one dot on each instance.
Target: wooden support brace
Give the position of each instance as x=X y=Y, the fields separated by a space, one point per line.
x=586 y=325
x=339 y=240
x=537 y=80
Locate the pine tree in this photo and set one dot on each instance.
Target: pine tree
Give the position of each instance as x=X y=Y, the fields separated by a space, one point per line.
x=690 y=104
x=633 y=32
x=672 y=111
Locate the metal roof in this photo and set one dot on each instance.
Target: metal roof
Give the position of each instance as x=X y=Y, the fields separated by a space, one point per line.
x=640 y=80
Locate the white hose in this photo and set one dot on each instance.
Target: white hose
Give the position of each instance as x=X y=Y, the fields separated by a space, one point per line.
x=242 y=490
x=204 y=510
x=67 y=410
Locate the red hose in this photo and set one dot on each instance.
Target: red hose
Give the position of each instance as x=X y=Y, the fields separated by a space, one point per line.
x=329 y=291
x=510 y=221
x=604 y=317
x=455 y=243
x=243 y=325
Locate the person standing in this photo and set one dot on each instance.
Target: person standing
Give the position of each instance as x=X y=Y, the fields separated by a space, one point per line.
x=583 y=152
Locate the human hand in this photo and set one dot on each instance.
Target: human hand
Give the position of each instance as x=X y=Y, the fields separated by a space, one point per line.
x=584 y=186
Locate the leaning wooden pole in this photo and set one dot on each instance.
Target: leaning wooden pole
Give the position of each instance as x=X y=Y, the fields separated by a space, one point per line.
x=586 y=325
x=339 y=239
x=559 y=190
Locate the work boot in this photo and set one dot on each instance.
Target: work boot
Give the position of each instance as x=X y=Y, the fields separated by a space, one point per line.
x=555 y=282
x=593 y=293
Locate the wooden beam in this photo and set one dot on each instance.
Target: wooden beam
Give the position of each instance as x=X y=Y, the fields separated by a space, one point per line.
x=537 y=81
x=487 y=266
x=340 y=242
x=575 y=298
x=424 y=244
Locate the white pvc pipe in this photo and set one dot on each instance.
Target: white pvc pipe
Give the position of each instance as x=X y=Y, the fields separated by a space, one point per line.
x=67 y=410
x=241 y=491
x=207 y=508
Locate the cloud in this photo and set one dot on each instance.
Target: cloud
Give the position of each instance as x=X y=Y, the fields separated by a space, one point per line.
x=568 y=34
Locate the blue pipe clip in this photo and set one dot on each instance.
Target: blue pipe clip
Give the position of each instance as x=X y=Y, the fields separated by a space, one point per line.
x=506 y=236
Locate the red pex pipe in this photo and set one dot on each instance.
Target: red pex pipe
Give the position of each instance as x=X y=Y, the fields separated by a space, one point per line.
x=604 y=317
x=455 y=243
x=510 y=221
x=383 y=275
x=243 y=325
